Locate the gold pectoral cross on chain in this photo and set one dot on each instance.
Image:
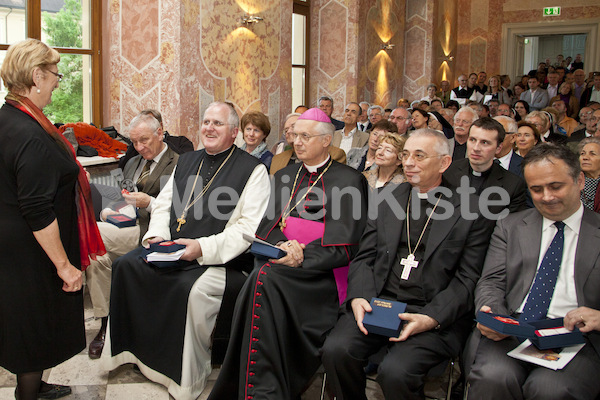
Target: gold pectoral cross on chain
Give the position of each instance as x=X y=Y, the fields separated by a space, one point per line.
x=181 y=221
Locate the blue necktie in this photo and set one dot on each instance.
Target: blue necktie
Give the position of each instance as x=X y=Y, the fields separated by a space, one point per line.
x=542 y=290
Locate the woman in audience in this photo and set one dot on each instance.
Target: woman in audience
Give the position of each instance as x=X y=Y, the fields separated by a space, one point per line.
x=48 y=227
x=589 y=159
x=522 y=109
x=527 y=137
x=431 y=90
x=420 y=119
x=496 y=90
x=256 y=127
x=518 y=89
x=565 y=93
x=542 y=121
x=363 y=159
x=389 y=163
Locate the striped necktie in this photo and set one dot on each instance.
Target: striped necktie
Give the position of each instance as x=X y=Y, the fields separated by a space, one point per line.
x=141 y=182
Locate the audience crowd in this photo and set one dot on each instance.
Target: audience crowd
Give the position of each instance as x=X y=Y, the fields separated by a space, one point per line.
x=480 y=198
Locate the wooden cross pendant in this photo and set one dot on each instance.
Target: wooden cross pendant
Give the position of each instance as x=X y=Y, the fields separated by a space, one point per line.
x=181 y=221
x=409 y=263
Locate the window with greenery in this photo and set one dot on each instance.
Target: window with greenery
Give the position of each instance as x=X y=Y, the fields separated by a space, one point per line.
x=73 y=28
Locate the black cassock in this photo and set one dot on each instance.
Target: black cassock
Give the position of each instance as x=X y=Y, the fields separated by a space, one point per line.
x=283 y=314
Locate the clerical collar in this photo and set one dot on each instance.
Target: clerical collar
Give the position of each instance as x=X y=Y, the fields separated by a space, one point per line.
x=422 y=196
x=483 y=174
x=314 y=168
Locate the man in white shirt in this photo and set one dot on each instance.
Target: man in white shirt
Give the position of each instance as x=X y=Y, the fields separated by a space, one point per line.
x=507 y=158
x=552 y=88
x=363 y=122
x=520 y=279
x=350 y=137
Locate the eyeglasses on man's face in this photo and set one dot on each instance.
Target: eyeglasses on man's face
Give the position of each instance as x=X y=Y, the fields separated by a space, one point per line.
x=304 y=137
x=417 y=156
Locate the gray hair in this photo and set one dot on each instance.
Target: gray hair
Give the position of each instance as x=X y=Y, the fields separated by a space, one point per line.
x=432 y=85
x=588 y=140
x=468 y=110
x=325 y=98
x=144 y=118
x=325 y=128
x=511 y=124
x=365 y=102
x=291 y=115
x=376 y=107
x=232 y=118
x=441 y=146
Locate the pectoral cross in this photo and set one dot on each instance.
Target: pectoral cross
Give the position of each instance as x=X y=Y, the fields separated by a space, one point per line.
x=282 y=223
x=409 y=263
x=181 y=221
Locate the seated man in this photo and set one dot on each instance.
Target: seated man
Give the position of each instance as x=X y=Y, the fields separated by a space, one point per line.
x=163 y=320
x=154 y=161
x=288 y=305
x=447 y=252
x=485 y=142
x=350 y=137
x=518 y=279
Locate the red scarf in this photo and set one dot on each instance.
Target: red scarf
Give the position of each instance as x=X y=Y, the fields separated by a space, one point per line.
x=90 y=241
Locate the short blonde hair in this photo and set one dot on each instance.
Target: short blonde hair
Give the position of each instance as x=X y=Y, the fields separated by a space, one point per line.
x=20 y=61
x=395 y=140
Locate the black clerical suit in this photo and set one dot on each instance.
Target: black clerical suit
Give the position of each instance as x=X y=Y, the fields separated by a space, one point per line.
x=495 y=176
x=451 y=262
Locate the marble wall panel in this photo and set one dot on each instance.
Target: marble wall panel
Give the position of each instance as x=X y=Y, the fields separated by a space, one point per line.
x=477 y=54
x=418 y=52
x=139 y=49
x=416 y=39
x=332 y=38
x=416 y=8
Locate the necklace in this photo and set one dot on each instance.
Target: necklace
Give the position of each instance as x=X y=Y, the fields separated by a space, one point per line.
x=286 y=210
x=409 y=262
x=181 y=220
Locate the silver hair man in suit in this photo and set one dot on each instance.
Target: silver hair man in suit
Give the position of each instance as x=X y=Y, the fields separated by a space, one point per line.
x=518 y=279
x=154 y=161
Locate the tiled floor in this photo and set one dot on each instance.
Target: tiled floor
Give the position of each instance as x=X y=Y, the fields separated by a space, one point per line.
x=89 y=382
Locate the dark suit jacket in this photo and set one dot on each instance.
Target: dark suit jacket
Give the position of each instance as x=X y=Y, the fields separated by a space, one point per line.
x=337 y=123
x=513 y=184
x=515 y=164
x=557 y=138
x=281 y=160
x=369 y=126
x=452 y=262
x=577 y=136
x=585 y=97
x=512 y=259
x=152 y=187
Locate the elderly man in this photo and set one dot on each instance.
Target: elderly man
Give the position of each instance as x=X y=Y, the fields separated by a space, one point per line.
x=486 y=138
x=401 y=117
x=350 y=137
x=462 y=92
x=162 y=319
x=289 y=304
x=507 y=158
x=444 y=93
x=154 y=161
x=326 y=105
x=363 y=123
x=375 y=114
x=463 y=119
x=522 y=280
x=445 y=255
x=505 y=110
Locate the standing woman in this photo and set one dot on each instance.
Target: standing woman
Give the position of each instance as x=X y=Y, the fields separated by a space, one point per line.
x=256 y=127
x=48 y=227
x=497 y=91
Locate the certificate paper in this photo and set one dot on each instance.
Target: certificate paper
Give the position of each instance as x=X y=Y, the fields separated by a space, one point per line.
x=552 y=359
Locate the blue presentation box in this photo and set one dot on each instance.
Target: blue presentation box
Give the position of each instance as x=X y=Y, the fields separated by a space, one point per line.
x=384 y=320
x=265 y=251
x=121 y=220
x=532 y=330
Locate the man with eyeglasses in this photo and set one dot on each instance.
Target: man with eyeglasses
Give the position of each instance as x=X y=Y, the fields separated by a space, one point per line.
x=162 y=316
x=375 y=114
x=590 y=129
x=402 y=118
x=289 y=304
x=463 y=119
x=432 y=265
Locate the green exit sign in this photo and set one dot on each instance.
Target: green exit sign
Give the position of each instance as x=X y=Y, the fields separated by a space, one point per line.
x=551 y=11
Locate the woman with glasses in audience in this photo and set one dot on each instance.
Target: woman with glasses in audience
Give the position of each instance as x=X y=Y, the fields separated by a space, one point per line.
x=589 y=159
x=48 y=227
x=527 y=136
x=388 y=160
x=255 y=128
x=363 y=158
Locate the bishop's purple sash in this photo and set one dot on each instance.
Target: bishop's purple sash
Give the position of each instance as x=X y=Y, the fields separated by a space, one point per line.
x=306 y=231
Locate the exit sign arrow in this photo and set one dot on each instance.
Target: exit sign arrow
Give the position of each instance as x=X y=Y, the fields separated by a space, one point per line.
x=551 y=11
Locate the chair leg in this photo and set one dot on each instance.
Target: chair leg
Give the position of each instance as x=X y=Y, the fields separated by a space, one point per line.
x=450 y=379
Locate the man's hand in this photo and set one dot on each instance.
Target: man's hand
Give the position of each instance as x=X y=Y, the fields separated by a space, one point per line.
x=155 y=239
x=489 y=332
x=192 y=249
x=104 y=214
x=137 y=199
x=415 y=323
x=295 y=254
x=585 y=318
x=359 y=308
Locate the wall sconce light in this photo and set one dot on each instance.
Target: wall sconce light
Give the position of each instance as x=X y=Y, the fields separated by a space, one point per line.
x=448 y=59
x=387 y=47
x=250 y=19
